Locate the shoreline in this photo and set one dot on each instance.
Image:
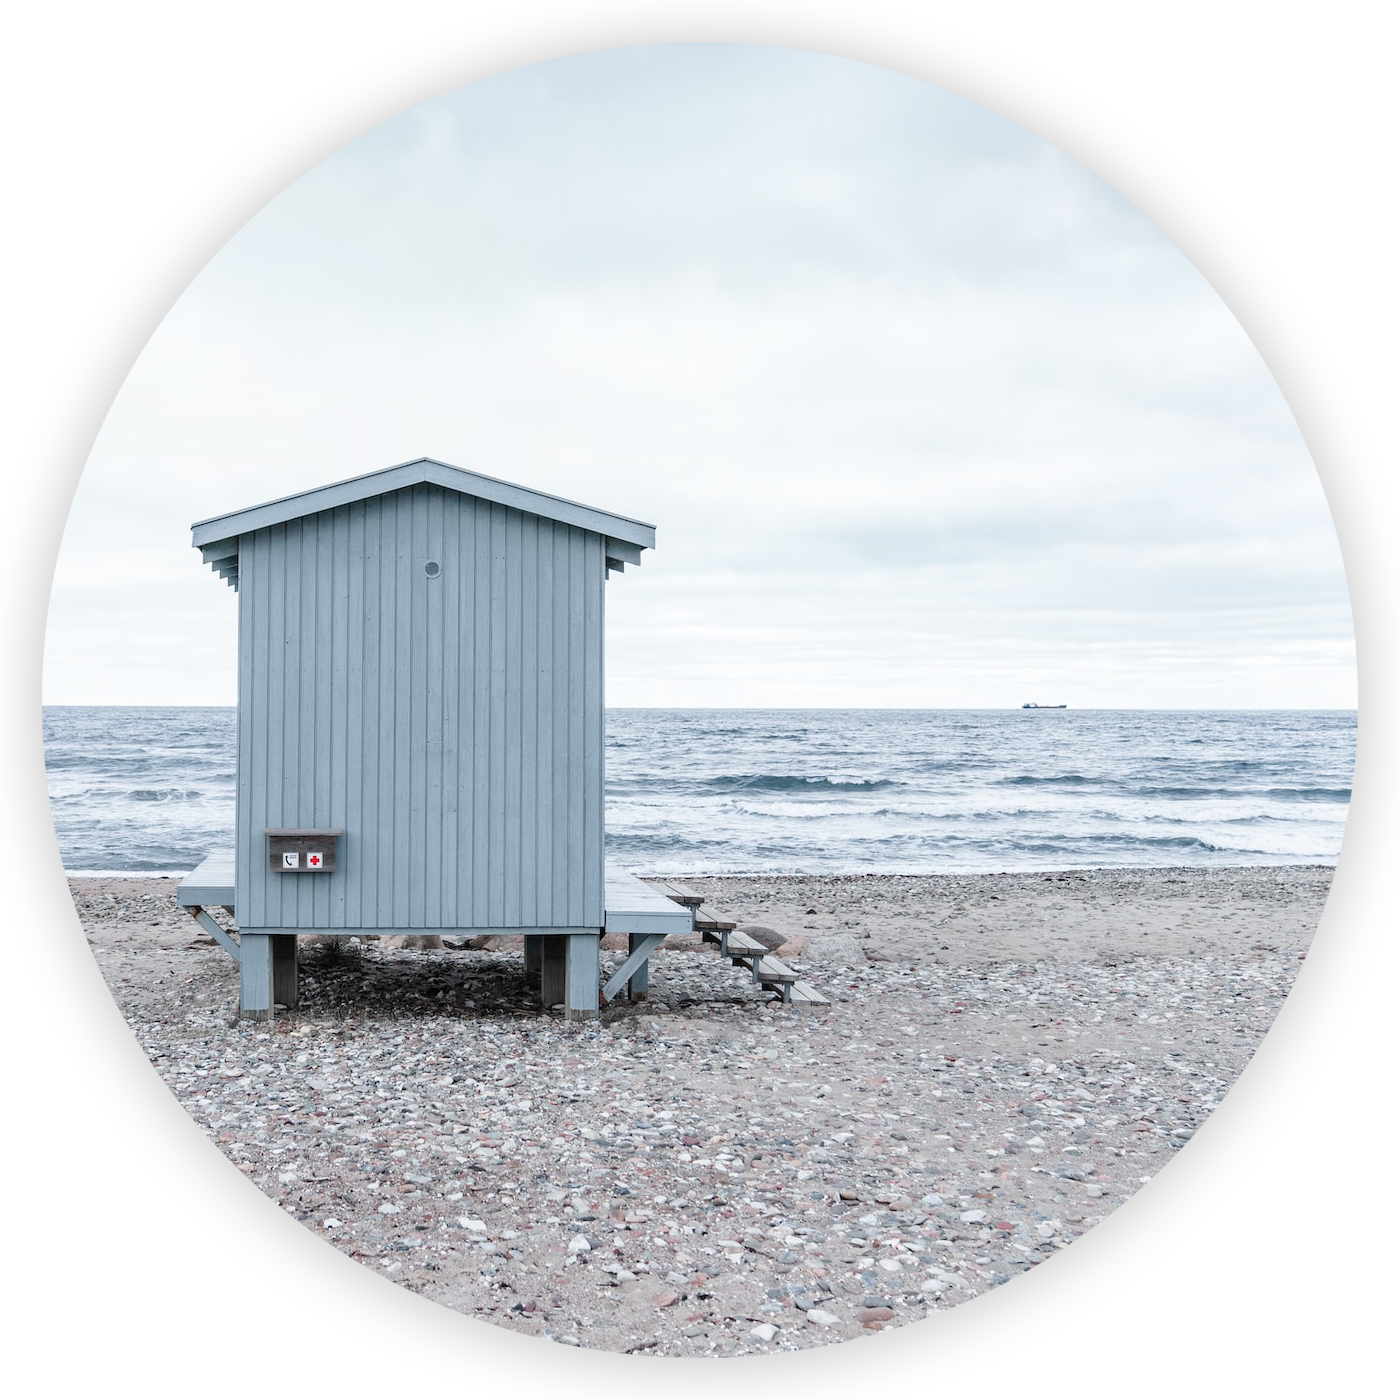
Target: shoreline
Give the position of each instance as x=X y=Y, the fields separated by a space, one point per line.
x=970 y=872
x=1098 y=914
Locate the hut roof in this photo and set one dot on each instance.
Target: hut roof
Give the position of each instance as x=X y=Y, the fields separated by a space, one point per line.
x=217 y=538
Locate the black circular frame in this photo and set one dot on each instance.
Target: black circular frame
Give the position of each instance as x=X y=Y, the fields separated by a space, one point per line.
x=1045 y=1299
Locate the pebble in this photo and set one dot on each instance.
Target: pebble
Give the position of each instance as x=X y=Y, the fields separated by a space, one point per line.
x=423 y=1114
x=868 y=1317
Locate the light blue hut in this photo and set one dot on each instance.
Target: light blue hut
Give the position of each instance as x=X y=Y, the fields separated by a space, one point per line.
x=420 y=728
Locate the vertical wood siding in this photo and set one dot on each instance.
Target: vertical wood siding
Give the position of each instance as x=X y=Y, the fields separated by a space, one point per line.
x=452 y=727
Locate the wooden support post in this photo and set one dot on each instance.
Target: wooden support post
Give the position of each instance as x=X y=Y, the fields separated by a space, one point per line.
x=533 y=954
x=643 y=946
x=551 y=971
x=255 y=976
x=215 y=930
x=285 y=989
x=637 y=986
x=581 y=976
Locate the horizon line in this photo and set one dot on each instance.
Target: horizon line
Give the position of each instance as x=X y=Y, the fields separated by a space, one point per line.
x=918 y=709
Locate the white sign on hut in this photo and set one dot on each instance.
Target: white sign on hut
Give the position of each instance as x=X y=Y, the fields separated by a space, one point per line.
x=420 y=728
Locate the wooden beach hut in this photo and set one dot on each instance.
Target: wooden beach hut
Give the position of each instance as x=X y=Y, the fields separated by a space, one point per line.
x=420 y=728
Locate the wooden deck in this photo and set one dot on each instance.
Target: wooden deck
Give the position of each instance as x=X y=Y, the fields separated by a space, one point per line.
x=645 y=912
x=633 y=906
x=209 y=883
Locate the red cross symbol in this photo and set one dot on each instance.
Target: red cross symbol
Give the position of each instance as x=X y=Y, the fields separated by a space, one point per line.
x=313 y=859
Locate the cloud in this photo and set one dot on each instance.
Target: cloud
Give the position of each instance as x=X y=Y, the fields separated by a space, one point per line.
x=891 y=375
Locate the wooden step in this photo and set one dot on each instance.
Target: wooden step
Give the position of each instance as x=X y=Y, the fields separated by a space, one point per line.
x=707 y=921
x=740 y=949
x=771 y=970
x=744 y=943
x=680 y=894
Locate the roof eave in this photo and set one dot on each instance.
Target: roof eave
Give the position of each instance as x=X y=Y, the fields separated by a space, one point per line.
x=422 y=469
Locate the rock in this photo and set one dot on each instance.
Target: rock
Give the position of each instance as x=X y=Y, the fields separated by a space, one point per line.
x=821 y=1317
x=579 y=1245
x=388 y=1208
x=874 y=1317
x=765 y=1331
x=668 y=1299
x=760 y=933
x=833 y=950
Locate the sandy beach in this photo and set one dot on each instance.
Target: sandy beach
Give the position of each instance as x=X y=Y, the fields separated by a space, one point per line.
x=1005 y=1059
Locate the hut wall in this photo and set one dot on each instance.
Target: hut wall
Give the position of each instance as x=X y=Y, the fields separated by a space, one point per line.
x=451 y=726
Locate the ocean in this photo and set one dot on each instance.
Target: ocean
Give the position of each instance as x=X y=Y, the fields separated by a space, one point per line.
x=690 y=792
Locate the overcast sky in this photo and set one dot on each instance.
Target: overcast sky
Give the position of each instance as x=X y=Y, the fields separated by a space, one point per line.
x=925 y=414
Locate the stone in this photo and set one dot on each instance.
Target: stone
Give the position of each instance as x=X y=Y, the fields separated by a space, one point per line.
x=874 y=1317
x=668 y=1299
x=821 y=1317
x=765 y=1331
x=833 y=950
x=760 y=933
x=579 y=1245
